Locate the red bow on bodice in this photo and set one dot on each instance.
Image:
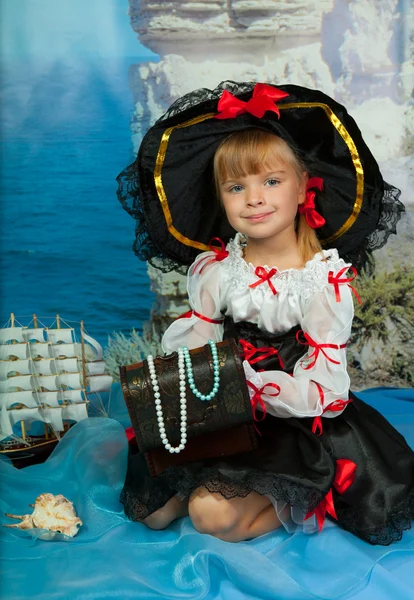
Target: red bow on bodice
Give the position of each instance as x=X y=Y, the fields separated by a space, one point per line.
x=263 y=277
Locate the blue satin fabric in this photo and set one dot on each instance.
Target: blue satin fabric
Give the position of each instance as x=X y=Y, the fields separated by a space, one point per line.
x=114 y=558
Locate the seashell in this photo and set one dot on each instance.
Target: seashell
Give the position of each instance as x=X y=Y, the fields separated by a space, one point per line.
x=53 y=513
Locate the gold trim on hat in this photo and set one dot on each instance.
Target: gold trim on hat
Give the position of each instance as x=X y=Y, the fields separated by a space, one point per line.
x=160 y=187
x=335 y=122
x=355 y=159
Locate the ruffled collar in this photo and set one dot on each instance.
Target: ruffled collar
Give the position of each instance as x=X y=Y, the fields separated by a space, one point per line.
x=236 y=245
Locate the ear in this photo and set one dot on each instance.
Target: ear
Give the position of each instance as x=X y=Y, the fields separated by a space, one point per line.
x=302 y=187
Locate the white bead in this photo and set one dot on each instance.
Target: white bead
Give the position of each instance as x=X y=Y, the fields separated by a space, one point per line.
x=163 y=436
x=157 y=395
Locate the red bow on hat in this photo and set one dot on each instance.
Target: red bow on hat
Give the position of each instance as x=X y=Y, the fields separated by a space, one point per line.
x=313 y=218
x=263 y=99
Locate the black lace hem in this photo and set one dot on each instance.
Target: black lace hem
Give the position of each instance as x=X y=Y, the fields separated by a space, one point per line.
x=398 y=521
x=240 y=485
x=179 y=480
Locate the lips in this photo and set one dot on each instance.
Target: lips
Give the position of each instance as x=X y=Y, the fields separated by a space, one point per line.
x=259 y=217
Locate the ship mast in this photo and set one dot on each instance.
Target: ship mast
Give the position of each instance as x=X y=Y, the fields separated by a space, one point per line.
x=46 y=426
x=22 y=425
x=82 y=328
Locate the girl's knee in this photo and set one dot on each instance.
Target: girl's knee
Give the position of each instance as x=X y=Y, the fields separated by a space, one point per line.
x=160 y=519
x=173 y=509
x=212 y=514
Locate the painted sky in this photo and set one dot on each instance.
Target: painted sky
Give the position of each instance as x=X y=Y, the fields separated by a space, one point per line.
x=55 y=29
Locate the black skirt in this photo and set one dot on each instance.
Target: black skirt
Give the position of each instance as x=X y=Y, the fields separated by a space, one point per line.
x=295 y=465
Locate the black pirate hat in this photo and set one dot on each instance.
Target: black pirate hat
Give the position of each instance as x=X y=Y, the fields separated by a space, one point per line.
x=169 y=189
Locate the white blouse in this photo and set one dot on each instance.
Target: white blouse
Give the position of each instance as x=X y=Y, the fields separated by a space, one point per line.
x=307 y=297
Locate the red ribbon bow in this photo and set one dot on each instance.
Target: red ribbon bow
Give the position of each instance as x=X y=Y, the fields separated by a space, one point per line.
x=249 y=351
x=257 y=398
x=264 y=276
x=317 y=348
x=335 y=280
x=263 y=98
x=335 y=406
x=313 y=218
x=220 y=254
x=344 y=478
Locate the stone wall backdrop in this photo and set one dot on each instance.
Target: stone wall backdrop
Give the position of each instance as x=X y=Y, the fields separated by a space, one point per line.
x=358 y=51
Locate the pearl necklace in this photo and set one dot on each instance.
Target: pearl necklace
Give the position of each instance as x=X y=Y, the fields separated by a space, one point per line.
x=216 y=372
x=184 y=360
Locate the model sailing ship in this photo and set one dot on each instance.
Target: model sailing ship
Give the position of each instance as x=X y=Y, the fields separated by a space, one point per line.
x=46 y=376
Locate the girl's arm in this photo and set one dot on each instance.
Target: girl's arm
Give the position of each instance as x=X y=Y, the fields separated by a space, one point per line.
x=320 y=378
x=204 y=297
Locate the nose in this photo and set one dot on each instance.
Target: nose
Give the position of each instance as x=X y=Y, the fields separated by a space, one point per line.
x=255 y=197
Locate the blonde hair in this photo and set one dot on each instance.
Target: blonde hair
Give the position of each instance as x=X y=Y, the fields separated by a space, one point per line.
x=247 y=152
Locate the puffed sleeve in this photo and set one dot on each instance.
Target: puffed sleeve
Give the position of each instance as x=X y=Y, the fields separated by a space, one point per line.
x=203 y=286
x=320 y=378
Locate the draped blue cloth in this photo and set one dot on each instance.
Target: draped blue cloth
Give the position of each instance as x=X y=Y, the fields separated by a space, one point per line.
x=114 y=558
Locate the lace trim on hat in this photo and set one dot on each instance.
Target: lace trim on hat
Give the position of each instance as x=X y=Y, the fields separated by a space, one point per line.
x=304 y=282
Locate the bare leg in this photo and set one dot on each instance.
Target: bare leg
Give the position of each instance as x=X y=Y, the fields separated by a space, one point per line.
x=173 y=509
x=232 y=520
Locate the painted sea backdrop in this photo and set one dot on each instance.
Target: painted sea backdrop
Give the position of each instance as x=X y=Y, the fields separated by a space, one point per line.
x=65 y=240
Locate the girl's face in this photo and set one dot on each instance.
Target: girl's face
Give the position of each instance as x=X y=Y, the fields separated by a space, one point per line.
x=264 y=204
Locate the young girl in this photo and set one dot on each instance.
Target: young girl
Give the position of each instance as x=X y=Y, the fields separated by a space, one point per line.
x=249 y=166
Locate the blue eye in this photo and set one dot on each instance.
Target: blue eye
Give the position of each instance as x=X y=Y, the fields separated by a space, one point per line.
x=236 y=188
x=272 y=182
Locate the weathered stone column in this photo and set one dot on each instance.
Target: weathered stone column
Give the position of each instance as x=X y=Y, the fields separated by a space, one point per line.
x=201 y=43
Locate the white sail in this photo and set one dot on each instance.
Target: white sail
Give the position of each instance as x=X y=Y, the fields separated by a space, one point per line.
x=72 y=380
x=12 y=333
x=100 y=383
x=70 y=365
x=45 y=381
x=18 y=350
x=53 y=416
x=94 y=344
x=34 y=333
x=51 y=398
x=28 y=415
x=25 y=397
x=5 y=425
x=45 y=366
x=73 y=395
x=75 y=412
x=22 y=367
x=60 y=335
x=96 y=367
x=67 y=350
x=21 y=381
x=42 y=349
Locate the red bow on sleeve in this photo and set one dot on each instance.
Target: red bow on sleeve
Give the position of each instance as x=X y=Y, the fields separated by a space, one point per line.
x=220 y=254
x=263 y=98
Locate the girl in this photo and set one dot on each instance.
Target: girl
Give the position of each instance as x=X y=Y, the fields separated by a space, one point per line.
x=266 y=154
